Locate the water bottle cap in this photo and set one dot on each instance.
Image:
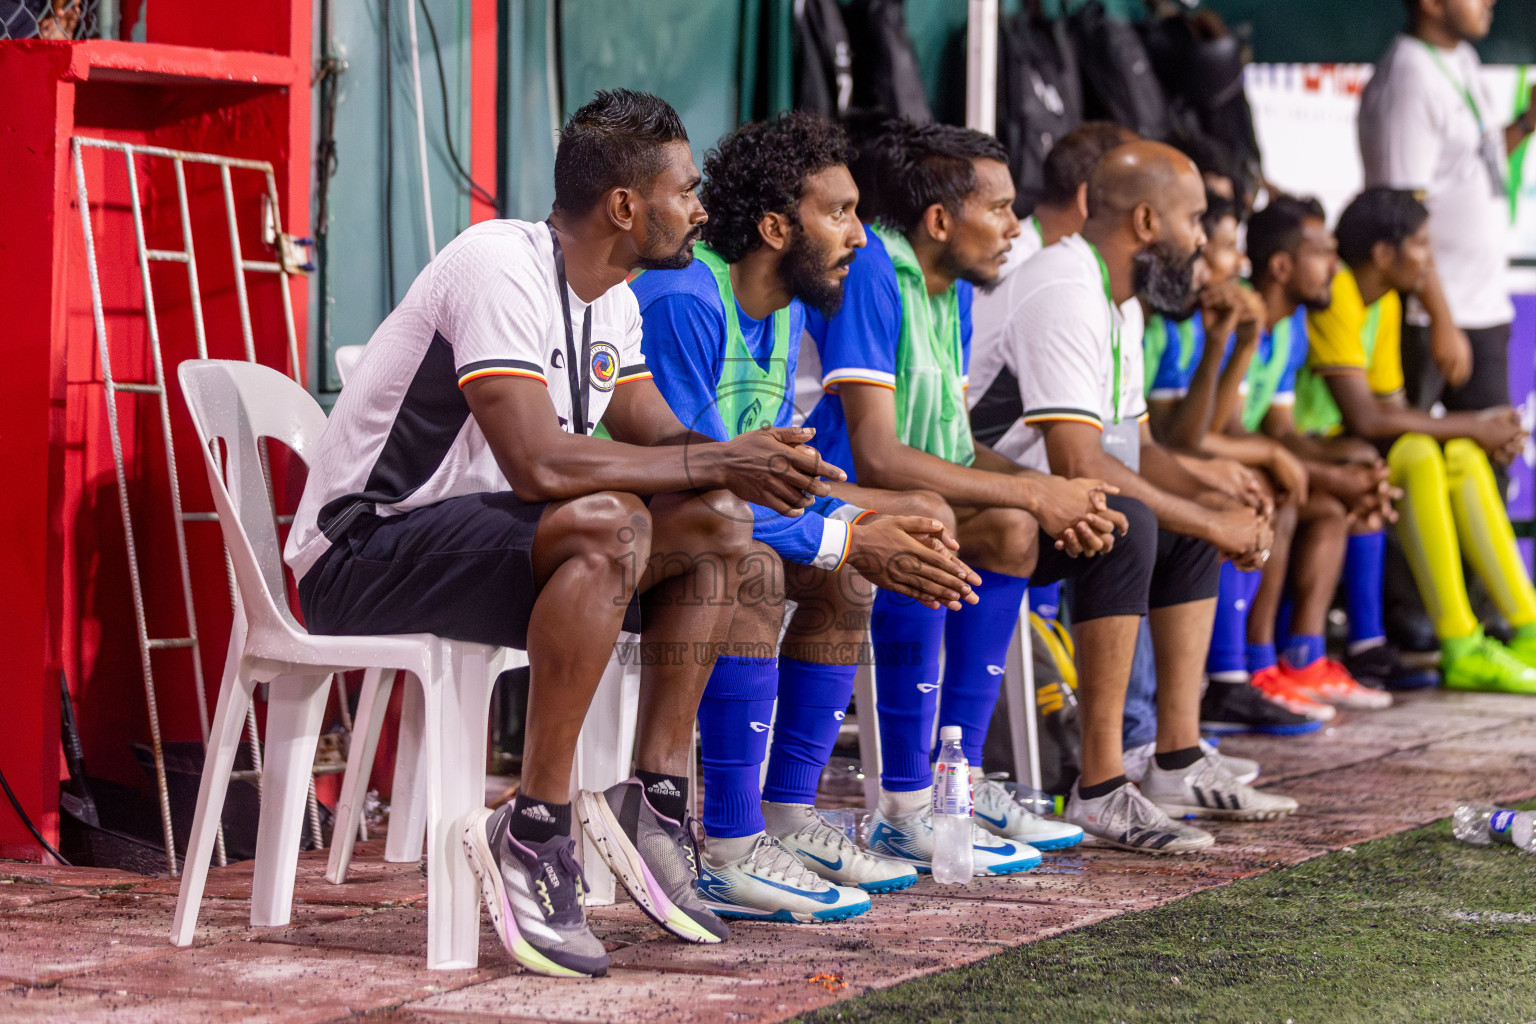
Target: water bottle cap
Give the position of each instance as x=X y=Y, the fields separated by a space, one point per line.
x=948 y=733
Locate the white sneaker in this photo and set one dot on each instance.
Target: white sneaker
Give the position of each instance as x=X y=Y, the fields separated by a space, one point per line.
x=909 y=839
x=827 y=850
x=1126 y=819
x=770 y=884
x=999 y=813
x=1207 y=790
x=1137 y=759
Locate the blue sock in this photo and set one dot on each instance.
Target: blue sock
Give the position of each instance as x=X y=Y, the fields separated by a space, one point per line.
x=1259 y=657
x=906 y=637
x=812 y=700
x=976 y=640
x=1304 y=649
x=734 y=717
x=1046 y=601
x=1363 y=562
x=1231 y=629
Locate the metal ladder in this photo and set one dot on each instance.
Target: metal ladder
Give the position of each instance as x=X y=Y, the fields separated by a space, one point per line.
x=290 y=262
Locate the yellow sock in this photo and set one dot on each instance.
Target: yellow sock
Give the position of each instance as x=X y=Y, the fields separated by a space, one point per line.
x=1428 y=533
x=1486 y=536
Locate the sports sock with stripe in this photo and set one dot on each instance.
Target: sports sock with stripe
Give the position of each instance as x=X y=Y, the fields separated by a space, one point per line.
x=976 y=640
x=1364 y=560
x=906 y=638
x=667 y=793
x=538 y=821
x=735 y=715
x=812 y=700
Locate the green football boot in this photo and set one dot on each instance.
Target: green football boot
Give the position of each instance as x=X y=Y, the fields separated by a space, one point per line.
x=1482 y=664
x=1523 y=644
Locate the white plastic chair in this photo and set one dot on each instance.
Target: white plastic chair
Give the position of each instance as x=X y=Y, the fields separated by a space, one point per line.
x=1018 y=691
x=241 y=403
x=603 y=751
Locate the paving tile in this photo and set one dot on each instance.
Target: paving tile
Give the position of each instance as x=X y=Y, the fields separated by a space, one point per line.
x=37 y=953
x=398 y=932
x=151 y=915
x=52 y=1005
x=73 y=877
x=14 y=895
x=334 y=981
x=371 y=883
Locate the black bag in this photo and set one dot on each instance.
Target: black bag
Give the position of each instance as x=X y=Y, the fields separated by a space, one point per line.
x=886 y=77
x=1039 y=98
x=823 y=59
x=1200 y=64
x=1118 y=81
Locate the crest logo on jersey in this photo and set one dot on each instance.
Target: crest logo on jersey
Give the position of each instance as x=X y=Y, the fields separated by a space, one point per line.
x=605 y=365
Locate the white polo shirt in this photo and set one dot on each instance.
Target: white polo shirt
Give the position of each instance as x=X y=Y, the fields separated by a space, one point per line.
x=1418 y=131
x=1043 y=350
x=401 y=435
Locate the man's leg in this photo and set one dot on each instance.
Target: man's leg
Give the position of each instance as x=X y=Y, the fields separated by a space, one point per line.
x=689 y=587
x=1482 y=523
x=1271 y=590
x=1182 y=779
x=1318 y=559
x=745 y=873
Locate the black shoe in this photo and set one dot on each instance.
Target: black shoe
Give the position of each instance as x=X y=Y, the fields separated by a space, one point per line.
x=1238 y=707
x=1382 y=668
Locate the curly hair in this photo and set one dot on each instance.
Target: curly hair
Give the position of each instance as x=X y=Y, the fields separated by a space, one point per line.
x=760 y=168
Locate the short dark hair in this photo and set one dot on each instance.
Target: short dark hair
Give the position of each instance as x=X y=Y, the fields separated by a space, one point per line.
x=1217 y=209
x=613 y=142
x=908 y=167
x=1070 y=163
x=1278 y=228
x=1377 y=215
x=760 y=168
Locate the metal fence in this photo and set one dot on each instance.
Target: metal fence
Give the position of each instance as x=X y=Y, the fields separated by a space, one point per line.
x=50 y=19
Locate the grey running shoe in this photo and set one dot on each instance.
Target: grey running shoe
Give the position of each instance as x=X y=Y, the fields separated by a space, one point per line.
x=1206 y=789
x=535 y=893
x=654 y=856
x=1126 y=819
x=1137 y=759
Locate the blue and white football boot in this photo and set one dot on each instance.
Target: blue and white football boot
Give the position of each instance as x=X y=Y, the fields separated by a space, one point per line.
x=909 y=838
x=998 y=812
x=827 y=850
x=770 y=883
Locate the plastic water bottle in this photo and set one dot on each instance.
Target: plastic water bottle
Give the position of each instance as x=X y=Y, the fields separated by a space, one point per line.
x=953 y=858
x=1485 y=824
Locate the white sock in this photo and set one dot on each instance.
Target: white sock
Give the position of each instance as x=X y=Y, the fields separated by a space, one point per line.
x=905 y=803
x=725 y=850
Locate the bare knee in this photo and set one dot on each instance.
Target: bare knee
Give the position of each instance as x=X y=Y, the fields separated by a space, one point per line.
x=608 y=526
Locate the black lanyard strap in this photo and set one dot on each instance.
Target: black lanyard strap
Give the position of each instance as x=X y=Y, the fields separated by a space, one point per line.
x=580 y=378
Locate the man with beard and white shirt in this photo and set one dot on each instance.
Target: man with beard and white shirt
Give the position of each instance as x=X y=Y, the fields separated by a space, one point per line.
x=1060 y=385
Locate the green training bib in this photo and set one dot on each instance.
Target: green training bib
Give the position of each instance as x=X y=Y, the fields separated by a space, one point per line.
x=1316 y=411
x=747 y=395
x=1264 y=377
x=930 y=401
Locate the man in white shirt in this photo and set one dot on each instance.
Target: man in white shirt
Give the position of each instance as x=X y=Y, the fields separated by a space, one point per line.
x=1426 y=125
x=1061 y=391
x=458 y=490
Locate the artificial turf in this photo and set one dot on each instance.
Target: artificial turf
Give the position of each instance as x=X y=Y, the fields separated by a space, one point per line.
x=1413 y=927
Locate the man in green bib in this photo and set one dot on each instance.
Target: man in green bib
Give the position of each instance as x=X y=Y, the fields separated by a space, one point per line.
x=725 y=337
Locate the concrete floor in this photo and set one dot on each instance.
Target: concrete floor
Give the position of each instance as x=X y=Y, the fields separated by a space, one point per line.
x=87 y=945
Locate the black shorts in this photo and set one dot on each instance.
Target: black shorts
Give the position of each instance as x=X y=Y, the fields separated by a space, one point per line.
x=1488 y=386
x=1149 y=567
x=460 y=569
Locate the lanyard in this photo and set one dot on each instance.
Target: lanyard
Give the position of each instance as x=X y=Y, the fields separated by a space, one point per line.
x=580 y=379
x=1114 y=328
x=1458 y=84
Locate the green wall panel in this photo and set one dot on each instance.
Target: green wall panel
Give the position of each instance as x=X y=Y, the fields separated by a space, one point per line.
x=687 y=52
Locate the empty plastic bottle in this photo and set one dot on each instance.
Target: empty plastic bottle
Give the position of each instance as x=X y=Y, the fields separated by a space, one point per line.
x=953 y=859
x=1485 y=824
